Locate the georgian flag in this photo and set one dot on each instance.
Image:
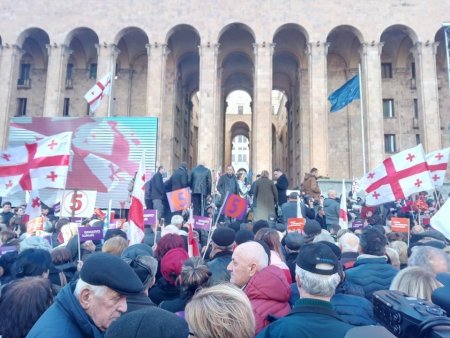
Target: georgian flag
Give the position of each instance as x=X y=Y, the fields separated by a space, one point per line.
x=343 y=217
x=398 y=177
x=437 y=162
x=95 y=95
x=34 y=166
x=33 y=208
x=136 y=213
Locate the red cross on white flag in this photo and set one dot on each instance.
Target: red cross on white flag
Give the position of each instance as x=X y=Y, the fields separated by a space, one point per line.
x=136 y=213
x=95 y=95
x=398 y=177
x=33 y=209
x=437 y=164
x=33 y=166
x=343 y=216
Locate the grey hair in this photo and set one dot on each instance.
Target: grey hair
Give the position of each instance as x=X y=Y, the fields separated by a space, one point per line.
x=422 y=255
x=324 y=236
x=349 y=242
x=317 y=285
x=97 y=290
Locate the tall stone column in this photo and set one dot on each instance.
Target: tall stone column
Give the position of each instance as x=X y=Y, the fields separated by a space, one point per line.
x=9 y=68
x=56 y=74
x=106 y=63
x=372 y=103
x=318 y=107
x=261 y=145
x=157 y=55
x=428 y=96
x=208 y=119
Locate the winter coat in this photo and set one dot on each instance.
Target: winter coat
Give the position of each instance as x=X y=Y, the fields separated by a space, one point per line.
x=157 y=191
x=266 y=196
x=282 y=185
x=65 y=318
x=138 y=302
x=353 y=309
x=331 y=207
x=200 y=180
x=227 y=183
x=310 y=318
x=163 y=290
x=268 y=292
x=180 y=178
x=372 y=273
x=310 y=186
x=289 y=210
x=218 y=267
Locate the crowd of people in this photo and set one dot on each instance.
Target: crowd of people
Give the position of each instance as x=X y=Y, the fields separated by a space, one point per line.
x=254 y=277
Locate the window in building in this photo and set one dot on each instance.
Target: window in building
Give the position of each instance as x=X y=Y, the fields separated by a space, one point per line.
x=244 y=158
x=88 y=110
x=386 y=70
x=93 y=71
x=416 y=108
x=388 y=108
x=240 y=110
x=233 y=158
x=417 y=138
x=69 y=71
x=21 y=106
x=389 y=143
x=25 y=69
x=413 y=70
x=66 y=106
x=239 y=157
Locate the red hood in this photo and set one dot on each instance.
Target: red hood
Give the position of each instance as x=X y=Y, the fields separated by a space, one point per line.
x=270 y=284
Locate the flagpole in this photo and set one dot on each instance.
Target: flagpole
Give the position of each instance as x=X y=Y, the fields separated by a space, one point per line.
x=215 y=225
x=113 y=75
x=363 y=137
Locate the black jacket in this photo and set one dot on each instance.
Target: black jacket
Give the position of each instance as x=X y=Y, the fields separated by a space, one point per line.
x=218 y=267
x=180 y=179
x=200 y=180
x=157 y=191
x=227 y=184
x=282 y=185
x=138 y=301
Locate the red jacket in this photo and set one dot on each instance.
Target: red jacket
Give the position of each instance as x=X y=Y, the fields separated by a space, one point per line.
x=269 y=292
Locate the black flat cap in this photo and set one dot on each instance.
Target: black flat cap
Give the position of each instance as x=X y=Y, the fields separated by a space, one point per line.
x=223 y=236
x=111 y=271
x=293 y=241
x=317 y=258
x=148 y=323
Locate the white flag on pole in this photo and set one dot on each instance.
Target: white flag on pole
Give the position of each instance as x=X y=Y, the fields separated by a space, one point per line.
x=441 y=220
x=95 y=95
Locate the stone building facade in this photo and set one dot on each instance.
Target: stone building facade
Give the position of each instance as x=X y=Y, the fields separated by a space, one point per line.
x=179 y=61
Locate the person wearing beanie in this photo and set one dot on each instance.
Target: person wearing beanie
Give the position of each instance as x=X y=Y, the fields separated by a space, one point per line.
x=292 y=243
x=243 y=236
x=317 y=277
x=222 y=243
x=149 y=323
x=139 y=257
x=171 y=264
x=88 y=306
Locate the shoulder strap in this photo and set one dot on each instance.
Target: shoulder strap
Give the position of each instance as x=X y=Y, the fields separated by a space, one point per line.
x=315 y=309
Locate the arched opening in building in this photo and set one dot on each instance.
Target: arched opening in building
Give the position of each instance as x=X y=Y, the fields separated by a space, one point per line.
x=30 y=72
x=236 y=61
x=401 y=107
x=131 y=69
x=238 y=121
x=80 y=70
x=344 y=126
x=290 y=76
x=182 y=81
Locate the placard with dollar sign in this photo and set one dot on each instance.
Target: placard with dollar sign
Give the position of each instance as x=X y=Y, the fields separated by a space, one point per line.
x=78 y=203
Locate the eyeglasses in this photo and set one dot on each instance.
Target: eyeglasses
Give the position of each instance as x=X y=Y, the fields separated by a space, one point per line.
x=191 y=334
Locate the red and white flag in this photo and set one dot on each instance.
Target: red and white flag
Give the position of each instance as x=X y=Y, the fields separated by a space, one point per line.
x=136 y=213
x=398 y=177
x=33 y=209
x=343 y=217
x=193 y=250
x=437 y=165
x=34 y=166
x=95 y=95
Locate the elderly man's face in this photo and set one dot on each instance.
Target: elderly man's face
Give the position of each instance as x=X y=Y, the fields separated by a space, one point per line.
x=103 y=310
x=241 y=268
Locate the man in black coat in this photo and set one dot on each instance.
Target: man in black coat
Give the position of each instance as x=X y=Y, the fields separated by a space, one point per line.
x=180 y=177
x=227 y=184
x=200 y=183
x=222 y=241
x=282 y=185
x=158 y=191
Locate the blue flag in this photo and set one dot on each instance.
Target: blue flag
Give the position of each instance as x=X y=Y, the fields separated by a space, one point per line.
x=345 y=94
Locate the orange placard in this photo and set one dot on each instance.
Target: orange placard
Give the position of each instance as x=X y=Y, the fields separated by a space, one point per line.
x=34 y=225
x=399 y=224
x=179 y=199
x=296 y=224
